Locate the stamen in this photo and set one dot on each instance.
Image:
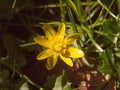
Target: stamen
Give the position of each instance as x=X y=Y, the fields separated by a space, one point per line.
x=58 y=47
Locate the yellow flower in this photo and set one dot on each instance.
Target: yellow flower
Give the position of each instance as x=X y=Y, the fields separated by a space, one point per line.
x=57 y=45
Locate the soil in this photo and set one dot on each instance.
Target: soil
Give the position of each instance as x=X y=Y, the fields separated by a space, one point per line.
x=81 y=76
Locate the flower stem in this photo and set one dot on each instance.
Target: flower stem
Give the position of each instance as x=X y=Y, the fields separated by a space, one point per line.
x=86 y=62
x=28 y=44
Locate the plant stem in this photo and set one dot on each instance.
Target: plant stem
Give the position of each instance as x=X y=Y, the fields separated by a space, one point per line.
x=62 y=11
x=91 y=38
x=107 y=10
x=28 y=44
x=13 y=5
x=86 y=62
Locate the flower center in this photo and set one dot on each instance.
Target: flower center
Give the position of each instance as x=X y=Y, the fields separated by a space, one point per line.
x=58 y=47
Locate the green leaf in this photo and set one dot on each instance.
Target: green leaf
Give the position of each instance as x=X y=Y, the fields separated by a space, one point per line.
x=5 y=84
x=62 y=83
x=20 y=60
x=20 y=84
x=117 y=53
x=16 y=58
x=72 y=5
x=108 y=62
x=110 y=29
x=118 y=69
x=77 y=8
x=118 y=3
x=50 y=82
x=4 y=73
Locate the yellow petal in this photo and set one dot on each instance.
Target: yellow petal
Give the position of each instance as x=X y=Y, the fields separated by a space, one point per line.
x=41 y=41
x=72 y=38
x=51 y=62
x=66 y=59
x=54 y=42
x=45 y=54
x=61 y=30
x=49 y=31
x=75 y=52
